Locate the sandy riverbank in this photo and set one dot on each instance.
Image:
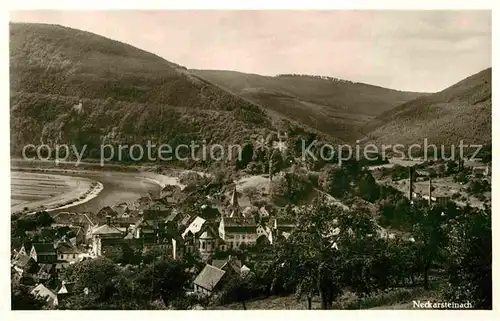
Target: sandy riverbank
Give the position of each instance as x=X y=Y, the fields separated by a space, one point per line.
x=32 y=191
x=80 y=190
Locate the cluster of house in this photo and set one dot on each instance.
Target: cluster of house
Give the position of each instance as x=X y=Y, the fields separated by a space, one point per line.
x=150 y=224
x=40 y=265
x=214 y=275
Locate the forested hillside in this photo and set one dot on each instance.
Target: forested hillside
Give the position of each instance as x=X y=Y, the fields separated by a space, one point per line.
x=333 y=106
x=460 y=112
x=127 y=95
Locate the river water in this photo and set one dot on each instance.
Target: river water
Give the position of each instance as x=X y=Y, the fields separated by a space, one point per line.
x=118 y=187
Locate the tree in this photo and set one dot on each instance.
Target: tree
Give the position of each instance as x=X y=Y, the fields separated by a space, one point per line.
x=164 y=279
x=367 y=188
x=22 y=299
x=461 y=178
x=428 y=233
x=307 y=258
x=327 y=251
x=469 y=260
x=94 y=277
x=337 y=182
x=245 y=157
x=237 y=289
x=441 y=169
x=250 y=191
x=291 y=187
x=43 y=219
x=451 y=167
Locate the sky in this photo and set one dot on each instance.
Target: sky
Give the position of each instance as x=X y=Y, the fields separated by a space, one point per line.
x=424 y=51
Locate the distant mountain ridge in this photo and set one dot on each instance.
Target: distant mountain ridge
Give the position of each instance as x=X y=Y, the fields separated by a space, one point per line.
x=76 y=87
x=459 y=112
x=333 y=106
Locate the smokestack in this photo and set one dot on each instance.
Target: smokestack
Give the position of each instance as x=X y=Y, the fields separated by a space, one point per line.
x=270 y=174
x=271 y=168
x=108 y=220
x=410 y=171
x=430 y=191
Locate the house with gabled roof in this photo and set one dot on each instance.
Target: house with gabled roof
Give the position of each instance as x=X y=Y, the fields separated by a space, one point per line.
x=107 y=239
x=107 y=211
x=152 y=234
x=209 y=280
x=156 y=210
x=42 y=292
x=65 y=290
x=67 y=252
x=236 y=229
x=46 y=273
x=78 y=233
x=43 y=252
x=230 y=265
x=201 y=236
x=282 y=228
x=24 y=264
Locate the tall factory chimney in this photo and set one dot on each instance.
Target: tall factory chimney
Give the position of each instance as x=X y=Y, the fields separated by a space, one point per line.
x=430 y=191
x=410 y=171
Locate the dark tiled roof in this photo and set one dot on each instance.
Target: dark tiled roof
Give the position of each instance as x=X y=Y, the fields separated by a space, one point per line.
x=240 y=225
x=44 y=248
x=73 y=218
x=234 y=263
x=209 y=277
x=65 y=248
x=210 y=213
x=241 y=229
x=106 y=230
x=239 y=221
x=107 y=210
x=118 y=221
x=285 y=222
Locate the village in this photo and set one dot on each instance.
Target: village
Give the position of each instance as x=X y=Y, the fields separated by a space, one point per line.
x=151 y=224
x=210 y=221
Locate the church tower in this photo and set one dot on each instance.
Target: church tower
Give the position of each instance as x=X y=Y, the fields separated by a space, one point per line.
x=234 y=207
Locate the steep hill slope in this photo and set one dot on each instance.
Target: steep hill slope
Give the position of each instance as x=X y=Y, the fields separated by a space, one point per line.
x=333 y=106
x=127 y=95
x=460 y=112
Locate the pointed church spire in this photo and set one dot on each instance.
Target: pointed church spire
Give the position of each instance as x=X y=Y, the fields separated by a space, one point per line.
x=234 y=206
x=234 y=198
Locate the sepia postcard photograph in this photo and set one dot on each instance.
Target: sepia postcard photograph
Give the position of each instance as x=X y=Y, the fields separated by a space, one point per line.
x=331 y=159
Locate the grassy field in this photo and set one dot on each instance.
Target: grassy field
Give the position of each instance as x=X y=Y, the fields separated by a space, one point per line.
x=396 y=299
